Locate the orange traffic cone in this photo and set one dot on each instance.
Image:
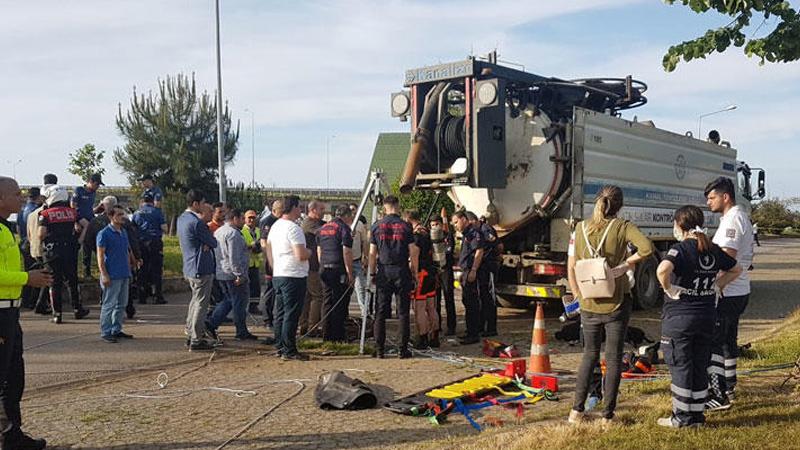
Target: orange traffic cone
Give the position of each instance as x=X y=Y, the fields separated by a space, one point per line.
x=540 y=356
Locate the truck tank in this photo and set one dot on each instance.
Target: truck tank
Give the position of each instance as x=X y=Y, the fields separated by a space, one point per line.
x=527 y=153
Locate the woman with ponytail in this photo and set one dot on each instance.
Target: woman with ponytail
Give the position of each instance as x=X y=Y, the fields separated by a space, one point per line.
x=607 y=236
x=689 y=276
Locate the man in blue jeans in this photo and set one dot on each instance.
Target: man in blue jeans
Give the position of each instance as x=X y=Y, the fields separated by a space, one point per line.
x=113 y=259
x=232 y=271
x=288 y=257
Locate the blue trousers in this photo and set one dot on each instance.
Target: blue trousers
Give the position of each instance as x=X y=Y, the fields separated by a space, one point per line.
x=112 y=306
x=234 y=298
x=290 y=293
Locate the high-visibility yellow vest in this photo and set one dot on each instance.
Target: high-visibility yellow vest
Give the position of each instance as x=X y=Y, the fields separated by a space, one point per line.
x=255 y=259
x=12 y=275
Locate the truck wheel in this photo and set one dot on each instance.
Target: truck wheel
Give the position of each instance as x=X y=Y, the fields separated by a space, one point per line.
x=647 y=292
x=514 y=301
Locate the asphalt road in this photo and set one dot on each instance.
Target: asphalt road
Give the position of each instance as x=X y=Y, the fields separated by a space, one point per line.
x=74 y=351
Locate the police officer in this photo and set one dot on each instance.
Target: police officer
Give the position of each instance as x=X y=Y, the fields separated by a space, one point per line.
x=58 y=233
x=472 y=253
x=687 y=318
x=335 y=253
x=150 y=189
x=83 y=202
x=152 y=225
x=424 y=295
x=445 y=291
x=12 y=366
x=487 y=274
x=393 y=257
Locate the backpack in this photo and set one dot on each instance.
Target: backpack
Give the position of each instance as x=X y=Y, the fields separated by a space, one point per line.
x=594 y=274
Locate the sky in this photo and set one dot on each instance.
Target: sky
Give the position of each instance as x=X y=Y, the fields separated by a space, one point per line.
x=316 y=76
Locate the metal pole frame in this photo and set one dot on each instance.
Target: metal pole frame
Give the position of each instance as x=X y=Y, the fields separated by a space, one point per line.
x=373 y=188
x=220 y=146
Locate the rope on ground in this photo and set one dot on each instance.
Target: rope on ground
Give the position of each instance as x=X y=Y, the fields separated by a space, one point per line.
x=347 y=293
x=793 y=375
x=56 y=341
x=266 y=413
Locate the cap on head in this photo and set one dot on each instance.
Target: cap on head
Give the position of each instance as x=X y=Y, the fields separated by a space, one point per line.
x=148 y=198
x=96 y=178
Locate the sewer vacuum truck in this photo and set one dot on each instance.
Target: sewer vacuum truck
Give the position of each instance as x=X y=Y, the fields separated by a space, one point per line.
x=529 y=153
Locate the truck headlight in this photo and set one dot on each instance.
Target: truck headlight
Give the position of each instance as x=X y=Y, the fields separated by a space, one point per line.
x=487 y=93
x=400 y=104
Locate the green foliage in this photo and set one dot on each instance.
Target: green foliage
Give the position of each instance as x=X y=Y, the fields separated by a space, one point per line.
x=423 y=200
x=86 y=161
x=172 y=135
x=782 y=44
x=246 y=197
x=774 y=215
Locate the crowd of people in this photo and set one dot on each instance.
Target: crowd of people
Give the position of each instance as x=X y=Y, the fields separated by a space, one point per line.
x=311 y=269
x=706 y=287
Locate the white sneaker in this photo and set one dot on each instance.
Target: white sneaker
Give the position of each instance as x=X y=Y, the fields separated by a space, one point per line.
x=668 y=422
x=576 y=416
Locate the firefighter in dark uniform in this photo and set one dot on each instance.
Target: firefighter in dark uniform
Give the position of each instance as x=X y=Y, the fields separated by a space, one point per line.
x=424 y=295
x=60 y=241
x=487 y=275
x=689 y=276
x=12 y=366
x=395 y=256
x=472 y=253
x=152 y=225
x=445 y=291
x=335 y=253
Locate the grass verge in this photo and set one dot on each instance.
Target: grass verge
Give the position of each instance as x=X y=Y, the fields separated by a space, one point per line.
x=762 y=417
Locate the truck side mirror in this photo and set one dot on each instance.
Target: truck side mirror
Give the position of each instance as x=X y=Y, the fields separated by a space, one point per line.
x=762 y=184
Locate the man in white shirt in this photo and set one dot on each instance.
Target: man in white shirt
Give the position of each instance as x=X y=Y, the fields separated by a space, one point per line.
x=288 y=257
x=735 y=237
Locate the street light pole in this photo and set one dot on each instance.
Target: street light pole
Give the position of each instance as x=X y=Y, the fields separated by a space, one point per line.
x=14 y=167
x=700 y=118
x=220 y=146
x=328 y=159
x=252 y=143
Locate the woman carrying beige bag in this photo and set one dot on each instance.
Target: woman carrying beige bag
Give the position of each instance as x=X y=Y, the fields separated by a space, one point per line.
x=598 y=264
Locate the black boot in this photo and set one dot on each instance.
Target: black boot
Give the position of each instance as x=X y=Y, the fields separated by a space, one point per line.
x=81 y=312
x=422 y=342
x=434 y=341
x=15 y=439
x=130 y=311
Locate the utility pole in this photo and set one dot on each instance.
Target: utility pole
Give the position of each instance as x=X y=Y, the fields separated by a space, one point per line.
x=328 y=159
x=220 y=146
x=252 y=143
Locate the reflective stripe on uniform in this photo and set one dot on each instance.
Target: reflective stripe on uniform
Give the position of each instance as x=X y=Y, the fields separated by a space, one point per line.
x=717 y=358
x=716 y=370
x=690 y=407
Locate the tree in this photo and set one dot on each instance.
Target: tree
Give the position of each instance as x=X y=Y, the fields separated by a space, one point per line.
x=423 y=200
x=172 y=135
x=773 y=215
x=780 y=45
x=86 y=161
